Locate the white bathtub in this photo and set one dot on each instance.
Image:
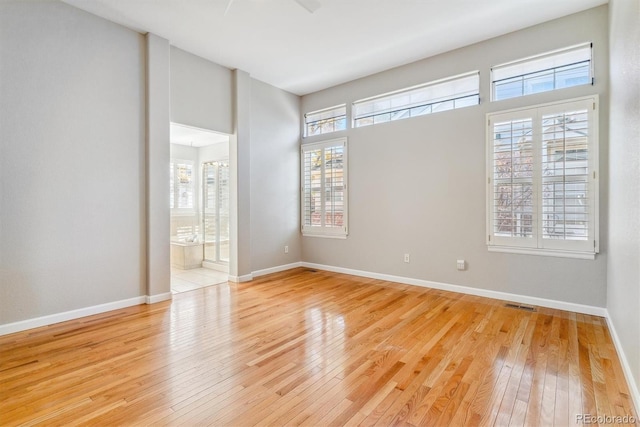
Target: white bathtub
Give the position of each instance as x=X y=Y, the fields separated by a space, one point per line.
x=186 y=255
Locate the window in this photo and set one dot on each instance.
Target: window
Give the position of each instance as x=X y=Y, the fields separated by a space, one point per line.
x=325 y=121
x=542 y=192
x=181 y=184
x=324 y=188
x=447 y=94
x=550 y=71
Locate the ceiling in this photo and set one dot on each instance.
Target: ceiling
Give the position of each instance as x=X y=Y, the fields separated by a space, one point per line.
x=194 y=137
x=281 y=43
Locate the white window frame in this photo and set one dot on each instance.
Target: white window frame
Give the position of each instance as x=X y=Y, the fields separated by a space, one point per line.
x=424 y=99
x=549 y=62
x=329 y=115
x=323 y=230
x=537 y=245
x=174 y=191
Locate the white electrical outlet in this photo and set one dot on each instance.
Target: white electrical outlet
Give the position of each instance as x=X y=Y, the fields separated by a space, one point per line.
x=286 y=249
x=461 y=264
x=407 y=258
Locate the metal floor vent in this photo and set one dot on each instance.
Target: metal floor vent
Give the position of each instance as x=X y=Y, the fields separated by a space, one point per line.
x=520 y=307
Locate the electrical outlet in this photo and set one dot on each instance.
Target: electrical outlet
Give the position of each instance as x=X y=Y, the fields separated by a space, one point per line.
x=406 y=258
x=461 y=264
x=286 y=249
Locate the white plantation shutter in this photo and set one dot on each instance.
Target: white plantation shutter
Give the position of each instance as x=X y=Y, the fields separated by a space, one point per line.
x=542 y=185
x=513 y=191
x=181 y=180
x=567 y=194
x=324 y=188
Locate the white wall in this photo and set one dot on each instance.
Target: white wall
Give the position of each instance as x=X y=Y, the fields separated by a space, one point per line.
x=275 y=176
x=418 y=185
x=201 y=92
x=72 y=107
x=623 y=273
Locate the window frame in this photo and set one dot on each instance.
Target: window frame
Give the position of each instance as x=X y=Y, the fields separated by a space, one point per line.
x=333 y=118
x=174 y=191
x=537 y=244
x=408 y=91
x=533 y=58
x=323 y=230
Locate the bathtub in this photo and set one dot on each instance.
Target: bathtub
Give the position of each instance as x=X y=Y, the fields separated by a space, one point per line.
x=186 y=255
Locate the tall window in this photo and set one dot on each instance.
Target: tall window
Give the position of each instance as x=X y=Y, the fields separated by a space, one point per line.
x=325 y=121
x=324 y=188
x=182 y=185
x=549 y=71
x=442 y=95
x=542 y=179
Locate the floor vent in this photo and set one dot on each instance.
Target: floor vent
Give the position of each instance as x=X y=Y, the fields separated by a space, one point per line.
x=311 y=270
x=520 y=307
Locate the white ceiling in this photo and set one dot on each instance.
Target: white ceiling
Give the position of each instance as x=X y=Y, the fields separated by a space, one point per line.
x=194 y=137
x=281 y=43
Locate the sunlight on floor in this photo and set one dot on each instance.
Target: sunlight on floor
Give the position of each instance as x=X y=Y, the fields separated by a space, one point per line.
x=197 y=278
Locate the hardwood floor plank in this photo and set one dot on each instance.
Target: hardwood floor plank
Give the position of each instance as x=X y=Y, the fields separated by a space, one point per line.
x=305 y=347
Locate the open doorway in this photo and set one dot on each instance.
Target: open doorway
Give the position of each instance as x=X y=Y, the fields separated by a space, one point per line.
x=199 y=201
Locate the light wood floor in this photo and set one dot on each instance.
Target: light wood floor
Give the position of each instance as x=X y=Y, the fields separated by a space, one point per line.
x=314 y=348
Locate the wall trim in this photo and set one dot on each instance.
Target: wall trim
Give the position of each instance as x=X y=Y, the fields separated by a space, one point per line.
x=524 y=299
x=634 y=390
x=276 y=269
x=152 y=299
x=241 y=279
x=50 y=319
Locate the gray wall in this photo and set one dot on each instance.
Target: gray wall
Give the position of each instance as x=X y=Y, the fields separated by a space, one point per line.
x=72 y=160
x=623 y=278
x=201 y=92
x=275 y=176
x=418 y=185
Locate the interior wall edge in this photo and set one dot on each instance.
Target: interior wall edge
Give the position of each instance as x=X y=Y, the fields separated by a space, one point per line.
x=626 y=367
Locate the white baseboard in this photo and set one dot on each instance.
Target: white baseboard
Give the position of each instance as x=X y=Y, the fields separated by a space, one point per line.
x=152 y=299
x=634 y=390
x=37 y=322
x=276 y=269
x=523 y=299
x=241 y=279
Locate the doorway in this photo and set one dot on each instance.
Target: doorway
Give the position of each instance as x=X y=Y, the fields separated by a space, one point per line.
x=199 y=200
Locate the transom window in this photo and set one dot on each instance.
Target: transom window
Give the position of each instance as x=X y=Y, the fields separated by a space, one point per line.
x=442 y=95
x=324 y=188
x=325 y=121
x=542 y=182
x=549 y=71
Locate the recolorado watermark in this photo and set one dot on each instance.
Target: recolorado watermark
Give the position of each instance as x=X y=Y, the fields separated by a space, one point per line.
x=605 y=419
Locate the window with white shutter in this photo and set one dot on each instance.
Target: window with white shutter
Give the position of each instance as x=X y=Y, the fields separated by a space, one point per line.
x=325 y=121
x=541 y=73
x=324 y=188
x=441 y=95
x=542 y=194
x=181 y=181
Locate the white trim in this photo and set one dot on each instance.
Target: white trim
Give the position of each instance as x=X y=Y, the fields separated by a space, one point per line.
x=634 y=390
x=524 y=299
x=152 y=299
x=543 y=252
x=50 y=319
x=276 y=269
x=241 y=279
